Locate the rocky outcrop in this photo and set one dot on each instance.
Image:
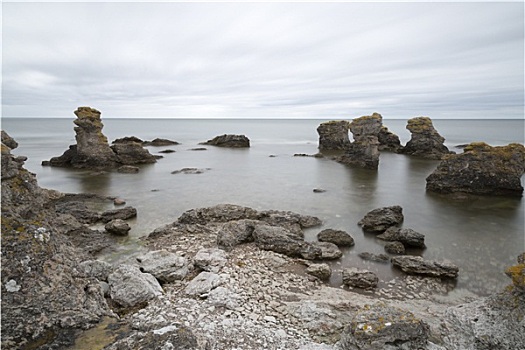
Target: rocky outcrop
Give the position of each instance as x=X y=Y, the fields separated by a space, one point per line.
x=416 y=265
x=381 y=327
x=354 y=277
x=425 y=141
x=380 y=219
x=8 y=140
x=329 y=251
x=481 y=169
x=338 y=237
x=408 y=237
x=117 y=227
x=165 y=266
x=281 y=240
x=364 y=151
x=333 y=135
x=228 y=140
x=92 y=150
x=131 y=287
x=388 y=141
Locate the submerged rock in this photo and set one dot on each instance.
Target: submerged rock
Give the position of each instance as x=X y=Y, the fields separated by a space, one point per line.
x=333 y=135
x=425 y=141
x=406 y=236
x=383 y=258
x=416 y=265
x=481 y=169
x=233 y=141
x=329 y=251
x=380 y=219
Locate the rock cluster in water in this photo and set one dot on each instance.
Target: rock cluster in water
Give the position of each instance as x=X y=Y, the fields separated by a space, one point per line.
x=425 y=141
x=92 y=150
x=481 y=169
x=333 y=135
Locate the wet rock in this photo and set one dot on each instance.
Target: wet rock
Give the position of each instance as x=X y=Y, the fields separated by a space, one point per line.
x=380 y=327
x=190 y=171
x=158 y=142
x=380 y=219
x=130 y=287
x=481 y=169
x=425 y=141
x=167 y=151
x=329 y=251
x=210 y=259
x=233 y=141
x=321 y=271
x=395 y=247
x=364 y=151
x=234 y=233
x=383 y=258
x=203 y=284
x=416 y=265
x=117 y=227
x=164 y=265
x=119 y=201
x=406 y=236
x=123 y=214
x=289 y=220
x=388 y=141
x=132 y=153
x=8 y=140
x=354 y=277
x=338 y=237
x=79 y=210
x=280 y=240
x=333 y=135
x=319 y=190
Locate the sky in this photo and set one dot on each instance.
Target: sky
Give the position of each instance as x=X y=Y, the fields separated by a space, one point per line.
x=264 y=60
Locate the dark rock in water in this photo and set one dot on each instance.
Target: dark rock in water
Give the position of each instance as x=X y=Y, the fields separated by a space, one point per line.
x=378 y=220
x=329 y=251
x=8 y=140
x=167 y=151
x=381 y=327
x=388 y=141
x=236 y=232
x=233 y=141
x=416 y=265
x=92 y=150
x=425 y=141
x=218 y=213
x=123 y=214
x=333 y=135
x=354 y=277
x=316 y=155
x=280 y=240
x=481 y=169
x=128 y=169
x=117 y=227
x=338 y=237
x=160 y=142
x=364 y=151
x=198 y=149
x=321 y=271
x=319 y=190
x=190 y=171
x=128 y=139
x=395 y=247
x=383 y=258
x=406 y=236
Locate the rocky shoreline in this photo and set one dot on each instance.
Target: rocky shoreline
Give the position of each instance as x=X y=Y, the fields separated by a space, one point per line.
x=229 y=277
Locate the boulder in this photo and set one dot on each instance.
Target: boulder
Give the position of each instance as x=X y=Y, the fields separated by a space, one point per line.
x=388 y=141
x=128 y=139
x=425 y=141
x=280 y=240
x=382 y=327
x=234 y=233
x=95 y=268
x=164 y=265
x=338 y=237
x=329 y=251
x=159 y=142
x=354 y=277
x=223 y=297
x=333 y=135
x=130 y=287
x=233 y=141
x=395 y=247
x=190 y=171
x=289 y=220
x=210 y=259
x=406 y=236
x=117 y=227
x=321 y=271
x=123 y=214
x=382 y=258
x=364 y=151
x=416 y=265
x=203 y=284
x=481 y=169
x=218 y=213
x=132 y=153
x=380 y=219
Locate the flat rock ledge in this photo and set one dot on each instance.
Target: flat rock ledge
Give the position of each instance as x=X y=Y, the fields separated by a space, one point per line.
x=416 y=265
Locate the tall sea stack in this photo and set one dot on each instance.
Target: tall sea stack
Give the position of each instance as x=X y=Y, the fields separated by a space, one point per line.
x=425 y=142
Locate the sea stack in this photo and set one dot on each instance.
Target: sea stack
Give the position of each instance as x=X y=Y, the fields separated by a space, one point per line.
x=481 y=169
x=364 y=151
x=425 y=142
x=333 y=135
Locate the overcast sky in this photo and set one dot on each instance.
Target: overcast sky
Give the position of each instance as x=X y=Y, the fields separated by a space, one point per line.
x=264 y=60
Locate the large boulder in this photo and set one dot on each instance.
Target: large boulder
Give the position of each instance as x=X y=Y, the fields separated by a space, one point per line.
x=380 y=219
x=172 y=337
x=416 y=265
x=130 y=287
x=338 y=237
x=425 y=141
x=117 y=227
x=289 y=220
x=333 y=135
x=280 y=240
x=354 y=277
x=131 y=153
x=164 y=265
x=203 y=284
x=406 y=236
x=321 y=271
x=382 y=327
x=481 y=169
x=329 y=251
x=228 y=140
x=364 y=151
x=210 y=259
x=234 y=233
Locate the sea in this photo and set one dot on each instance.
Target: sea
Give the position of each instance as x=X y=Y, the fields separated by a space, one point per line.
x=482 y=235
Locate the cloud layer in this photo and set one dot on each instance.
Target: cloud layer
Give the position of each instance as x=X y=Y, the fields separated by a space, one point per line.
x=264 y=60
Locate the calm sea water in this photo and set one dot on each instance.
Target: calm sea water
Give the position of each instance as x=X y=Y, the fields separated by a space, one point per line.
x=482 y=235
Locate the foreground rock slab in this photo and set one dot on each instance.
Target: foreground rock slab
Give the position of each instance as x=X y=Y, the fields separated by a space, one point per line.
x=416 y=265
x=481 y=169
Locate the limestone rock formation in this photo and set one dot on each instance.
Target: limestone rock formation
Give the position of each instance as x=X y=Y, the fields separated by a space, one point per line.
x=338 y=237
x=395 y=247
x=333 y=135
x=92 y=150
x=364 y=151
x=354 y=277
x=388 y=141
x=380 y=219
x=425 y=141
x=229 y=140
x=406 y=236
x=321 y=271
x=130 y=287
x=164 y=266
x=416 y=265
x=481 y=169
x=281 y=240
x=210 y=259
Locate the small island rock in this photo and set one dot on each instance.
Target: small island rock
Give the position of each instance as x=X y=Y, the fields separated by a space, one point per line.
x=425 y=141
x=338 y=237
x=229 y=140
x=333 y=135
x=380 y=219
